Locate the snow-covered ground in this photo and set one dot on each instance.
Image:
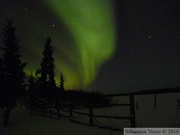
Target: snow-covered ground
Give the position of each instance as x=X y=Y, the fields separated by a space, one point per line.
x=162 y=112
x=22 y=123
x=165 y=114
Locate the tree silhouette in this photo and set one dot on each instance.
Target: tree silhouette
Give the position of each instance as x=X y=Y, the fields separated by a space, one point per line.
x=31 y=85
x=13 y=70
x=62 y=82
x=31 y=94
x=46 y=80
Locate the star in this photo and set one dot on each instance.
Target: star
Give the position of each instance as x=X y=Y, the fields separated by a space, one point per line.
x=25 y=9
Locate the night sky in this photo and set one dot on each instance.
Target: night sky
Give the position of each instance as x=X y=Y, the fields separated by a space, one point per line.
x=112 y=46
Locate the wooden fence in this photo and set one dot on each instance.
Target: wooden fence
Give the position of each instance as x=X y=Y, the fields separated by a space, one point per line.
x=71 y=109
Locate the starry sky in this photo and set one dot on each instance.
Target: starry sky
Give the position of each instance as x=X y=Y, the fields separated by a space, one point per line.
x=148 y=47
x=113 y=46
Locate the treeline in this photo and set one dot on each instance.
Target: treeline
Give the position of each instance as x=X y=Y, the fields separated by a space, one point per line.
x=41 y=89
x=86 y=99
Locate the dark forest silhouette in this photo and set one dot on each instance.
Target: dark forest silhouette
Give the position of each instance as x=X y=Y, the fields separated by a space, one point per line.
x=41 y=92
x=12 y=74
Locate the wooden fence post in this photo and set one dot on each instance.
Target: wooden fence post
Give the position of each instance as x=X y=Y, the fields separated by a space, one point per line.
x=58 y=110
x=132 y=111
x=91 y=115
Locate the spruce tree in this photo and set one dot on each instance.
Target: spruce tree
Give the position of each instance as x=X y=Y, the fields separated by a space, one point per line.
x=32 y=95
x=62 y=82
x=46 y=80
x=31 y=84
x=13 y=70
x=31 y=92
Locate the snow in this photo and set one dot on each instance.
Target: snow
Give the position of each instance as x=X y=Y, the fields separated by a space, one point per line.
x=22 y=123
x=166 y=114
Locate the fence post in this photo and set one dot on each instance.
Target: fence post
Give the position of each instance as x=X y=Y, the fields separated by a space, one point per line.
x=132 y=111
x=58 y=110
x=91 y=115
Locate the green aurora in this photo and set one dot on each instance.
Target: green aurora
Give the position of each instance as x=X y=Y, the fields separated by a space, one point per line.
x=82 y=31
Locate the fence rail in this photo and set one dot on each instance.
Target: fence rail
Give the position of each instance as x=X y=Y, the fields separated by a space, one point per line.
x=72 y=109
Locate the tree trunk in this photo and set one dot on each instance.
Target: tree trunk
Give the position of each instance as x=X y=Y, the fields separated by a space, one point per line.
x=6 y=116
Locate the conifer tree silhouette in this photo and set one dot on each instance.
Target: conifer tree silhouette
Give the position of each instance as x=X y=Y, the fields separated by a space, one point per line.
x=13 y=70
x=31 y=85
x=32 y=92
x=46 y=80
x=62 y=82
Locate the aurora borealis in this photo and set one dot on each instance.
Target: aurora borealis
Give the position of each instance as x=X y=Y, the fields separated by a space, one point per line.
x=91 y=25
x=82 y=31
